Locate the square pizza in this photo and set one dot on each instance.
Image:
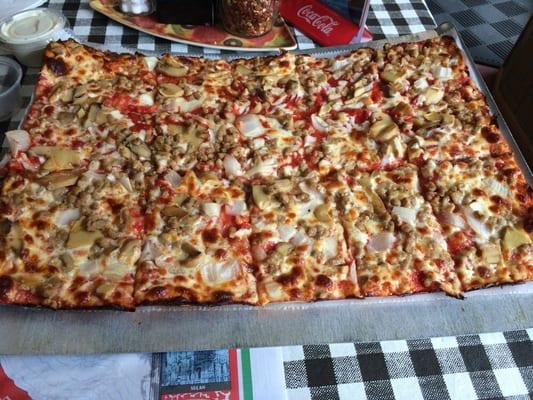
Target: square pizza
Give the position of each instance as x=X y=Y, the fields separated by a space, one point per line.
x=139 y=180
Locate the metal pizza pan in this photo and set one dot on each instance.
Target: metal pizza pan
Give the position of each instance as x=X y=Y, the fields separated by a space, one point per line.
x=172 y=328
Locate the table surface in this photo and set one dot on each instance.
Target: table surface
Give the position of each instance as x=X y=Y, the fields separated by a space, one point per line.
x=497 y=365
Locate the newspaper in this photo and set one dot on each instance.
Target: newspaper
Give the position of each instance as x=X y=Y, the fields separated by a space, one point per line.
x=232 y=374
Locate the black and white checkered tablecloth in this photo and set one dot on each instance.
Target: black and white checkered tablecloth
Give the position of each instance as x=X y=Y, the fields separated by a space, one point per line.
x=486 y=366
x=489 y=28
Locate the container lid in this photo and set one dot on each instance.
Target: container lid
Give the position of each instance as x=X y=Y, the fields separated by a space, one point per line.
x=31 y=26
x=10 y=74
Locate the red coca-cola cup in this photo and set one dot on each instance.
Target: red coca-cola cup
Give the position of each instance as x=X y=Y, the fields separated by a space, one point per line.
x=319 y=22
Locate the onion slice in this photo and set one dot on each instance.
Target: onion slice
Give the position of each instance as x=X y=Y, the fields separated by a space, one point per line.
x=5 y=160
x=309 y=140
x=18 y=140
x=258 y=253
x=353 y=272
x=211 y=209
x=124 y=180
x=250 y=125
x=286 y=232
x=318 y=123
x=232 y=166
x=498 y=187
x=329 y=247
x=220 y=272
x=452 y=219
x=407 y=215
x=264 y=168
x=238 y=207
x=382 y=241
x=67 y=216
x=150 y=250
x=300 y=238
x=478 y=226
x=173 y=178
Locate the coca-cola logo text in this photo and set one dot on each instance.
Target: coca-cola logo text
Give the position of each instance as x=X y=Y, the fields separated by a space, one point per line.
x=324 y=23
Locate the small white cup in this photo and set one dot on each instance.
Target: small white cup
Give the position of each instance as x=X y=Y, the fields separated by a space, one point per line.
x=27 y=33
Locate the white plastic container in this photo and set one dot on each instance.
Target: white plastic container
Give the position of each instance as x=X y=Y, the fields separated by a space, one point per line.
x=10 y=76
x=27 y=33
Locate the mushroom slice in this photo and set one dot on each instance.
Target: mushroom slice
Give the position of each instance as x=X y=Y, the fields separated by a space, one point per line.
x=5 y=226
x=433 y=95
x=261 y=199
x=95 y=115
x=170 y=90
x=321 y=213
x=242 y=70
x=492 y=253
x=56 y=180
x=172 y=70
x=433 y=116
x=514 y=238
x=190 y=250
x=80 y=95
x=283 y=185
x=82 y=239
x=383 y=129
x=141 y=149
x=379 y=207
x=14 y=237
x=68 y=262
x=61 y=92
x=393 y=74
x=58 y=158
x=130 y=252
x=448 y=119
x=65 y=118
x=284 y=248
x=173 y=211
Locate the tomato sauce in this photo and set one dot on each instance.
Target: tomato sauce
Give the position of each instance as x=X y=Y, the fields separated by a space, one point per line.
x=361 y=115
x=376 y=94
x=458 y=242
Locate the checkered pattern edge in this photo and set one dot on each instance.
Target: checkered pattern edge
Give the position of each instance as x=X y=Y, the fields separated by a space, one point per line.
x=485 y=366
x=489 y=28
x=386 y=18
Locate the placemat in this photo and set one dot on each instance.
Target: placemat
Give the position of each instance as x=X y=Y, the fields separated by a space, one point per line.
x=485 y=366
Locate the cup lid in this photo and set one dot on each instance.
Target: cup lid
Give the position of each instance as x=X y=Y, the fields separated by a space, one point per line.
x=32 y=25
x=10 y=74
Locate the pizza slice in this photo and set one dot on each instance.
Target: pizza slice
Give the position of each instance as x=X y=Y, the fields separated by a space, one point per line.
x=484 y=206
x=393 y=238
x=400 y=191
x=72 y=238
x=196 y=248
x=21 y=273
x=298 y=243
x=436 y=105
x=381 y=253
x=92 y=94
x=343 y=129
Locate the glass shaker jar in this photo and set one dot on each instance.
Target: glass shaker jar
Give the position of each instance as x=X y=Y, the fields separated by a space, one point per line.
x=136 y=7
x=248 y=18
